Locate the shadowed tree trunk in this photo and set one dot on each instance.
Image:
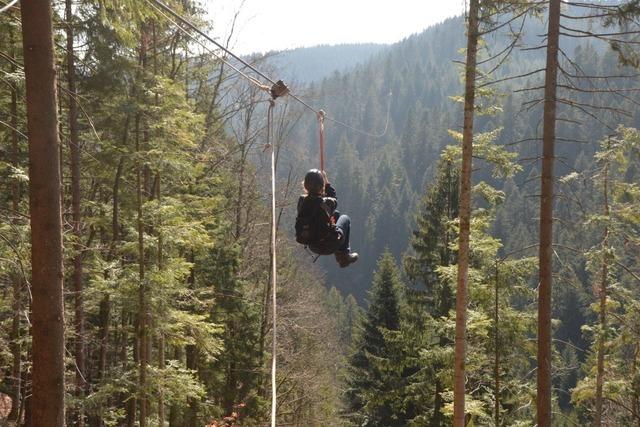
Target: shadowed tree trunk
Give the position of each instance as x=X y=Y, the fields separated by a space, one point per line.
x=602 y=294
x=543 y=399
x=459 y=415
x=47 y=315
x=77 y=277
x=142 y=300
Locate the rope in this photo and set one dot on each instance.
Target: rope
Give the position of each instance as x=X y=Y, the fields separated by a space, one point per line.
x=273 y=262
x=8 y=6
x=321 y=129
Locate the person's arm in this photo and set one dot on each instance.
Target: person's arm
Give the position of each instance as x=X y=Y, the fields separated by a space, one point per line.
x=300 y=201
x=329 y=191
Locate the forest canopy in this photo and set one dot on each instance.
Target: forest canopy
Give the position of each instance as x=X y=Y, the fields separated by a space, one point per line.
x=490 y=166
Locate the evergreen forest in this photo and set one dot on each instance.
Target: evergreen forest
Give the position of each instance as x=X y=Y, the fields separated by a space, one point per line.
x=149 y=269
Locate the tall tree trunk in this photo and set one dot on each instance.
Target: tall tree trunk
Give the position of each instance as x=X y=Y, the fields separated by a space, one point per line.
x=192 y=364
x=18 y=280
x=132 y=403
x=543 y=398
x=436 y=420
x=142 y=296
x=635 y=400
x=47 y=315
x=459 y=416
x=174 y=411
x=496 y=354
x=77 y=277
x=602 y=294
x=161 y=355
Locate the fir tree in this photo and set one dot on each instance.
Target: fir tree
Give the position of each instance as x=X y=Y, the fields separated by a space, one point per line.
x=375 y=382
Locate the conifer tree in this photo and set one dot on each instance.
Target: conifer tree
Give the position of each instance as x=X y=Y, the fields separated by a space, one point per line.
x=374 y=382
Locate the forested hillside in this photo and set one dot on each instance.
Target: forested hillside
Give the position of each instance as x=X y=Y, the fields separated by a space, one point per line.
x=305 y=65
x=381 y=180
x=149 y=274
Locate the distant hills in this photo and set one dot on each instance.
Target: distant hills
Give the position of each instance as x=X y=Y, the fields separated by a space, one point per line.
x=306 y=65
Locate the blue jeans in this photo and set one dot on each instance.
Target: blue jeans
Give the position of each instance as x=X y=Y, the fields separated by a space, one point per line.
x=343 y=224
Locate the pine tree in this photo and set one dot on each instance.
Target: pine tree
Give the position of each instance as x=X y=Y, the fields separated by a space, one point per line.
x=376 y=376
x=431 y=249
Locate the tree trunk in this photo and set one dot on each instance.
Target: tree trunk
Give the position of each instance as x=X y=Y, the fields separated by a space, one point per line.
x=602 y=294
x=132 y=403
x=635 y=400
x=174 y=411
x=496 y=358
x=74 y=150
x=543 y=399
x=192 y=364
x=47 y=315
x=142 y=296
x=436 y=420
x=459 y=416
x=161 y=355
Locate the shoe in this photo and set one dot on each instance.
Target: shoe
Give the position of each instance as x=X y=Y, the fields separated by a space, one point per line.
x=346 y=258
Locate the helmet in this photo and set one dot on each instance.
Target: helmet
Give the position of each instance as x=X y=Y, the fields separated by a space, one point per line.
x=314 y=182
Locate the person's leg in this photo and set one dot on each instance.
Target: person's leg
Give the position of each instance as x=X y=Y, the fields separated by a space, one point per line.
x=344 y=256
x=343 y=223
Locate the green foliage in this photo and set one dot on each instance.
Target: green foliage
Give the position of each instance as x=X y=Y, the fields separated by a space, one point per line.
x=377 y=370
x=609 y=265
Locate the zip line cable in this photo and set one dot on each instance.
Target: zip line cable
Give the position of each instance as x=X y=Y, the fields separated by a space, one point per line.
x=185 y=21
x=8 y=6
x=206 y=36
x=207 y=48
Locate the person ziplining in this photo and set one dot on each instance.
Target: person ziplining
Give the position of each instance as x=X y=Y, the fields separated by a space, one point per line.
x=319 y=225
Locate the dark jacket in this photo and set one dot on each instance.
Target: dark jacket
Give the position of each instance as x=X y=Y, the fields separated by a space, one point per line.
x=330 y=199
x=331 y=242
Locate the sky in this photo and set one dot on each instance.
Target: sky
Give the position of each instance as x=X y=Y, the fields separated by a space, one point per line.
x=264 y=25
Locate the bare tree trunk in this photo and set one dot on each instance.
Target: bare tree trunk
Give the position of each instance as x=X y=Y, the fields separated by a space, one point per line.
x=46 y=223
x=142 y=296
x=174 y=411
x=496 y=360
x=161 y=355
x=132 y=403
x=635 y=400
x=543 y=399
x=436 y=420
x=192 y=364
x=602 y=293
x=105 y=319
x=459 y=416
x=77 y=277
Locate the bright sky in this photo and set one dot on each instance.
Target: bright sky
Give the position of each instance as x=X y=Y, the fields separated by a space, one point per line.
x=265 y=25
